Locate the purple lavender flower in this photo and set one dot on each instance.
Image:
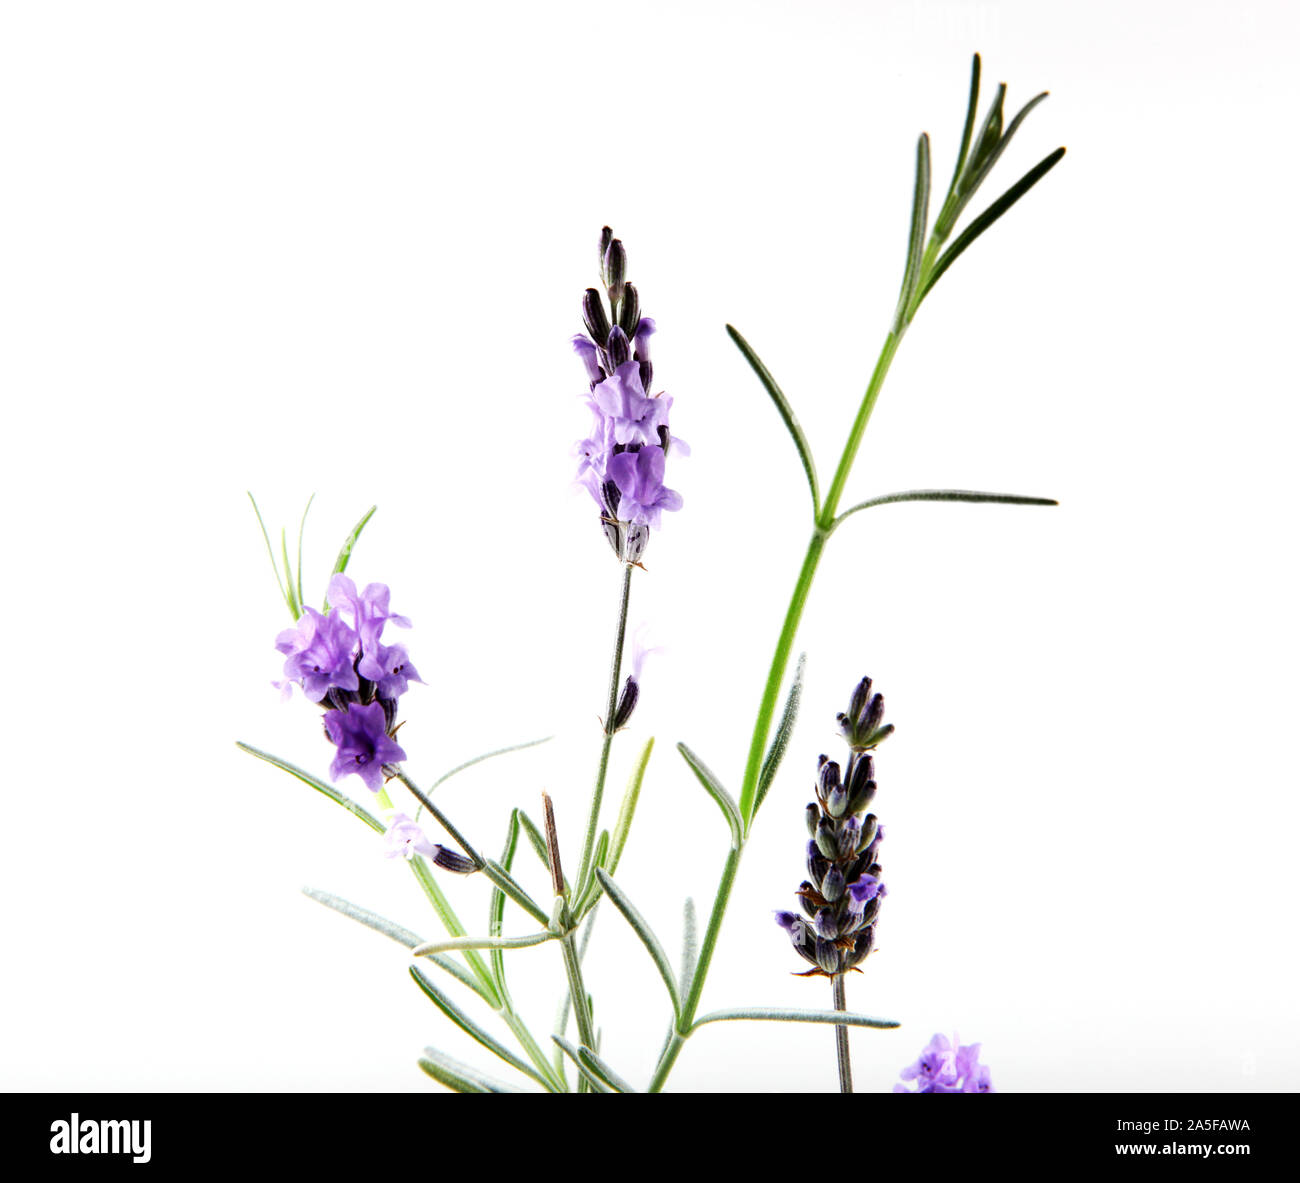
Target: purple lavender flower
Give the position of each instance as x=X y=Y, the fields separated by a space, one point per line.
x=369 y=609
x=361 y=735
x=639 y=477
x=390 y=669
x=633 y=416
x=947 y=1067
x=320 y=653
x=585 y=348
x=404 y=838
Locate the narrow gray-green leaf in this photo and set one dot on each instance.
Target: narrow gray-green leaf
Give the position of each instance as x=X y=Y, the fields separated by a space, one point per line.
x=457 y=944
x=403 y=936
x=607 y=1074
x=517 y=747
x=458 y=1077
x=345 y=551
x=717 y=792
x=295 y=605
x=991 y=159
x=627 y=809
x=690 y=948
x=302 y=526
x=588 y=1074
x=497 y=902
x=785 y=410
x=782 y=1015
x=945 y=495
x=535 y=838
x=988 y=217
x=916 y=235
x=472 y=1029
x=619 y=899
x=270 y=554
x=942 y=224
x=781 y=740
x=506 y=882
x=319 y=785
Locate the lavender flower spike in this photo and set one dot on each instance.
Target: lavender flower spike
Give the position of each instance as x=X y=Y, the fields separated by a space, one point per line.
x=361 y=735
x=622 y=459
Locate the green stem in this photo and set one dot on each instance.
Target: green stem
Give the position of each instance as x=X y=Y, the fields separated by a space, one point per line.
x=598 y=791
x=775 y=675
x=767 y=707
x=842 y=1036
x=691 y=1003
x=577 y=991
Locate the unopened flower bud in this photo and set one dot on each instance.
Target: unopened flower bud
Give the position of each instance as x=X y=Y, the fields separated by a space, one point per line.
x=629 y=315
x=449 y=860
x=626 y=705
x=614 y=270
x=593 y=316
x=617 y=347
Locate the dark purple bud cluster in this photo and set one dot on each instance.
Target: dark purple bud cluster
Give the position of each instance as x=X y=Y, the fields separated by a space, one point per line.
x=861 y=724
x=841 y=896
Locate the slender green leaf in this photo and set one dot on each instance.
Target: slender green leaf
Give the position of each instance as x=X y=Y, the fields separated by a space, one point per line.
x=302 y=526
x=458 y=1077
x=319 y=785
x=270 y=554
x=916 y=235
x=588 y=1074
x=607 y=1074
x=517 y=747
x=506 y=882
x=988 y=217
x=945 y=495
x=690 y=948
x=535 y=838
x=986 y=164
x=943 y=224
x=785 y=410
x=433 y=892
x=497 y=902
x=460 y=943
x=403 y=936
x=717 y=792
x=783 y=1015
x=472 y=1029
x=626 y=810
x=345 y=551
x=295 y=605
x=619 y=899
x=781 y=740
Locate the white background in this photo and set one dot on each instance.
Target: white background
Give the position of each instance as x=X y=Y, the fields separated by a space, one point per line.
x=339 y=248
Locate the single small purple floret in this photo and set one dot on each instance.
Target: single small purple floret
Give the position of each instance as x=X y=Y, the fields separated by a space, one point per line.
x=319 y=650
x=640 y=480
x=404 y=838
x=364 y=745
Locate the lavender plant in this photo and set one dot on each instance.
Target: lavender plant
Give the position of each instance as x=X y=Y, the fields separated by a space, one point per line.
x=342 y=661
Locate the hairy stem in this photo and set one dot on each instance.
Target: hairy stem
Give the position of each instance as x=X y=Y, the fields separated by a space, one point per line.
x=842 y=1036
x=598 y=790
